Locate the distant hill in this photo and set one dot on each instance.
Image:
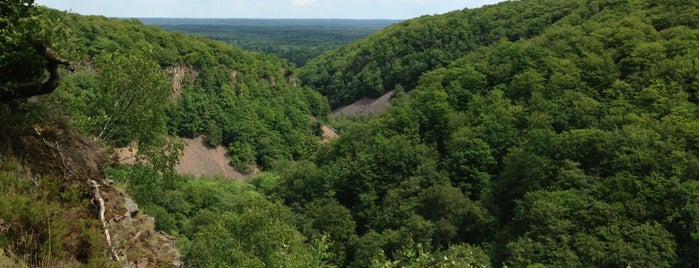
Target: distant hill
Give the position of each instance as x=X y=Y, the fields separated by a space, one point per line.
x=399 y=54
x=298 y=40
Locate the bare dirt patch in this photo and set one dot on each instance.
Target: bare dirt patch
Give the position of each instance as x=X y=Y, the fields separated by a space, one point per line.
x=329 y=133
x=365 y=106
x=197 y=159
x=200 y=160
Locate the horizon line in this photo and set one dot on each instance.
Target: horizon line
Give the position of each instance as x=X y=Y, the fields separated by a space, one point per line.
x=222 y=18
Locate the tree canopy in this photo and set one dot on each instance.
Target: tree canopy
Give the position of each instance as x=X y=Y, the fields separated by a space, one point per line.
x=546 y=132
x=27 y=52
x=533 y=133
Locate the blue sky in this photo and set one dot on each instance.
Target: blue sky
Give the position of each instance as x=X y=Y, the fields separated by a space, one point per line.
x=346 y=9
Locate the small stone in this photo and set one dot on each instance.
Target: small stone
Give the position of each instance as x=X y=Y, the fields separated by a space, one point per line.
x=138 y=234
x=131 y=207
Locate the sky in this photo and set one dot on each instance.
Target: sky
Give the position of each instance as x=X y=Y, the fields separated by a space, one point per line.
x=337 y=9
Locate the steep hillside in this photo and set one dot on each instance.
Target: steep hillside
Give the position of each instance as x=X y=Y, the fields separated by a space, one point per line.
x=536 y=133
x=248 y=102
x=118 y=82
x=401 y=53
x=50 y=210
x=364 y=107
x=199 y=159
x=562 y=134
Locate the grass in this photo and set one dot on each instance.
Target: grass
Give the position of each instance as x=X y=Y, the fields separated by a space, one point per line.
x=40 y=224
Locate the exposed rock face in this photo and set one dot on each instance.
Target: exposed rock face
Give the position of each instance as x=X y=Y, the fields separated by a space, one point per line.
x=181 y=76
x=131 y=207
x=135 y=239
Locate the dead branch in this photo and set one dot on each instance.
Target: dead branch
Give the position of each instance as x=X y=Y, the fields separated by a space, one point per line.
x=58 y=150
x=100 y=201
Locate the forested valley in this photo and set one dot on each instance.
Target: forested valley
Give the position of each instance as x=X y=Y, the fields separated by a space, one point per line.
x=297 y=40
x=533 y=133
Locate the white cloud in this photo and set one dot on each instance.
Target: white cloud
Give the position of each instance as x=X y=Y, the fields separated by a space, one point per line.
x=302 y=2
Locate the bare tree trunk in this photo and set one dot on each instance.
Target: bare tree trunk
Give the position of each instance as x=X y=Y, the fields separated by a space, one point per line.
x=42 y=48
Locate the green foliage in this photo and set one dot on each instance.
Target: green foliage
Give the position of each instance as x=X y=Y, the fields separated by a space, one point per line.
x=247 y=101
x=134 y=97
x=457 y=256
x=298 y=40
x=547 y=133
x=124 y=103
x=567 y=228
x=535 y=133
x=242 y=156
x=40 y=227
x=213 y=135
x=317 y=103
x=224 y=223
x=21 y=24
x=335 y=221
x=401 y=53
x=15 y=42
x=469 y=161
x=45 y=221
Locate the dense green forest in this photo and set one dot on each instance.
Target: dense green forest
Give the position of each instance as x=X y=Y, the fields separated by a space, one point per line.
x=297 y=40
x=130 y=84
x=524 y=134
x=247 y=101
x=554 y=132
